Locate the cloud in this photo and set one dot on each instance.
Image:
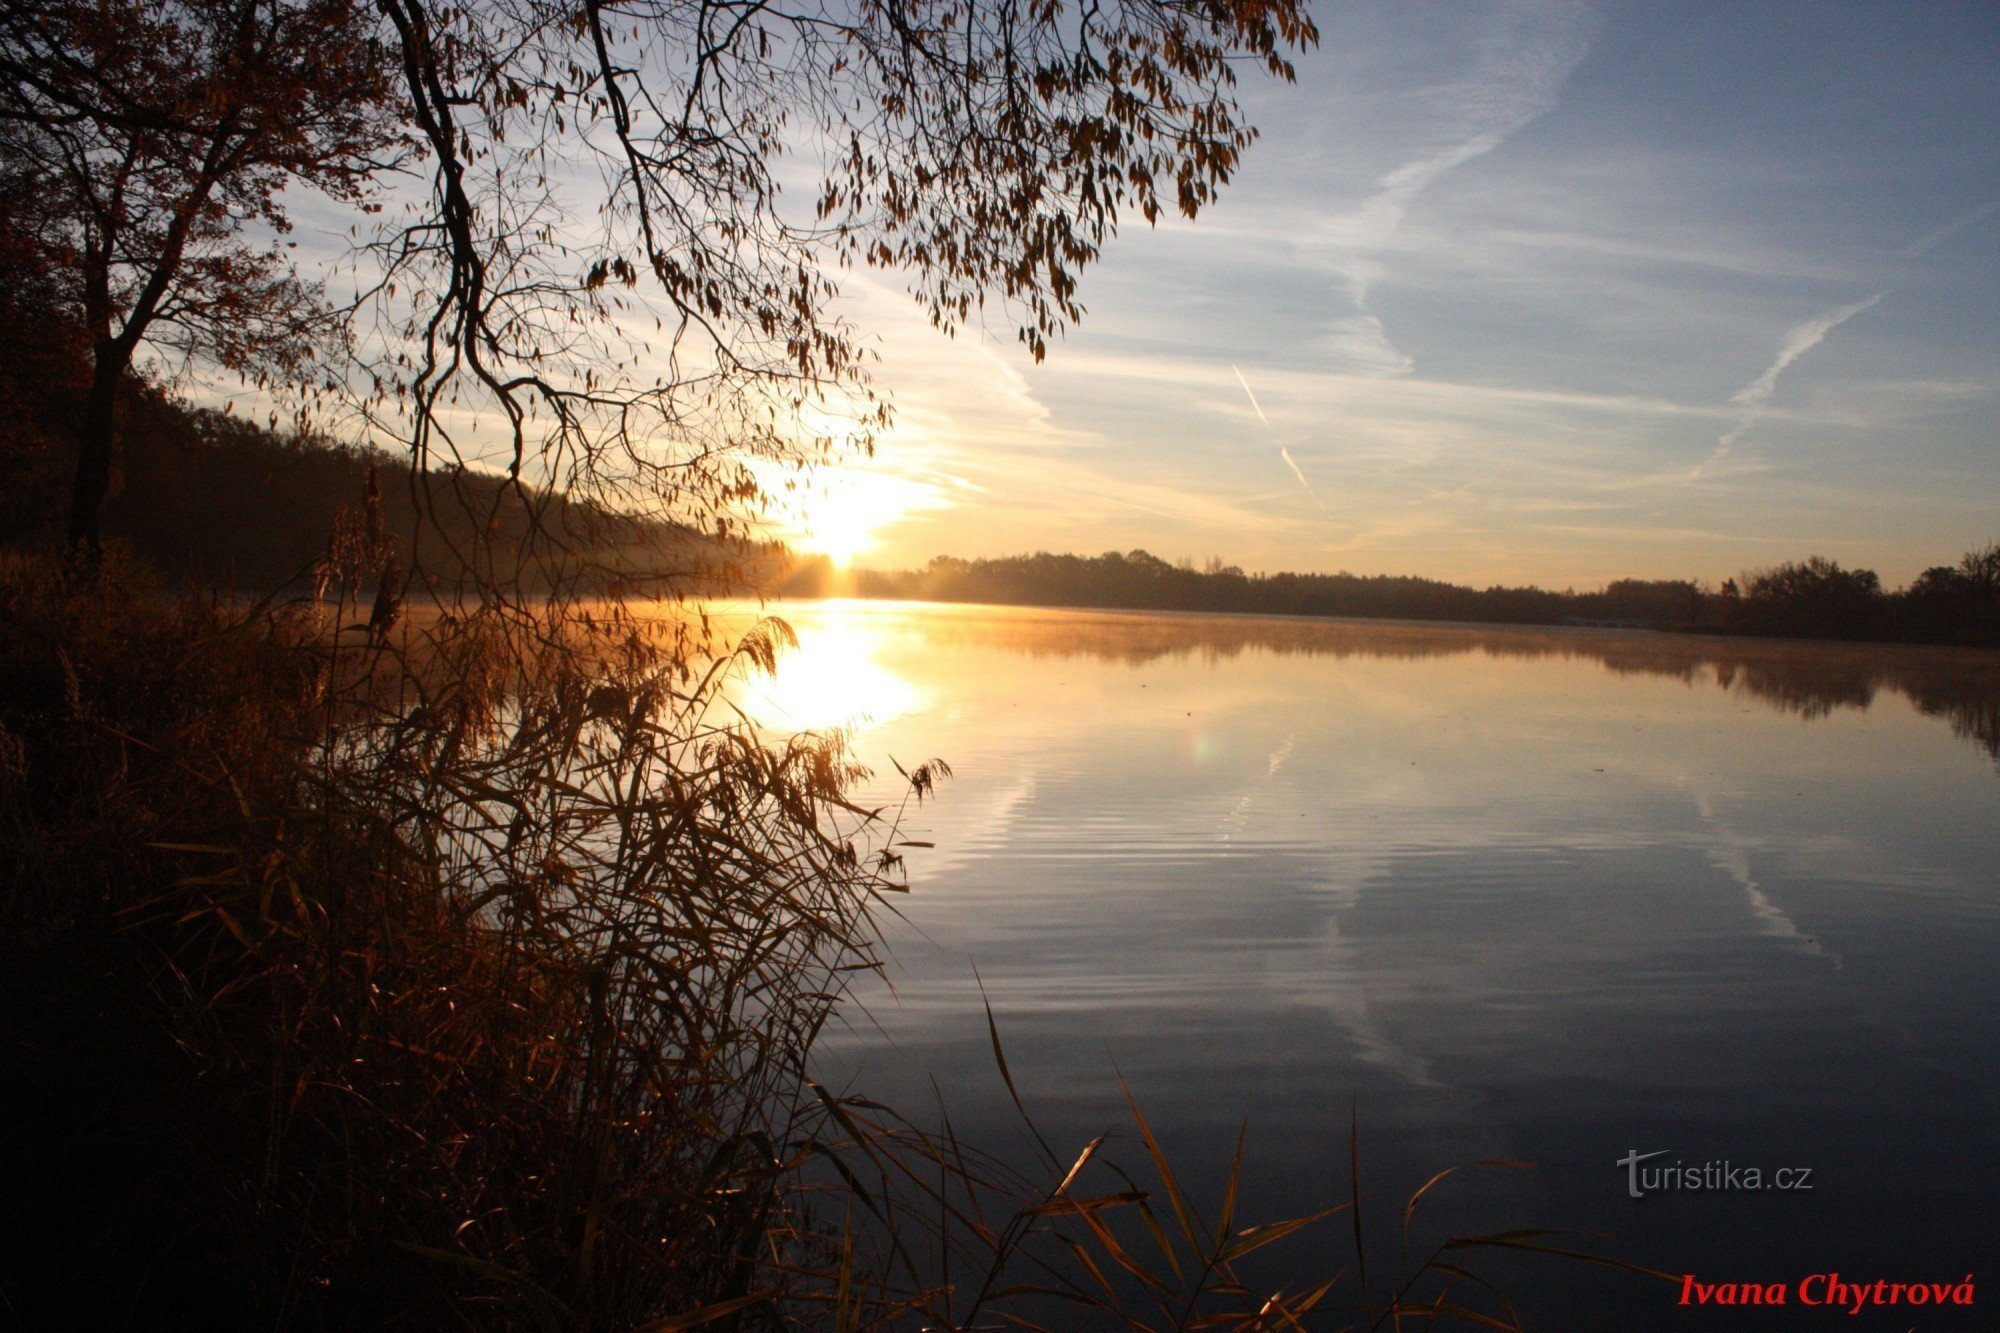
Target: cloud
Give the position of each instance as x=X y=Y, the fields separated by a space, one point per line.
x=1518 y=70
x=1472 y=400
x=1798 y=341
x=1499 y=314
x=1360 y=343
x=1752 y=397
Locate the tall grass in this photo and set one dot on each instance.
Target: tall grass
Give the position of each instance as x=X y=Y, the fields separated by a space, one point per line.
x=463 y=970
x=490 y=960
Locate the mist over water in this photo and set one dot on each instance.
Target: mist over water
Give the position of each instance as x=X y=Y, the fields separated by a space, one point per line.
x=1540 y=894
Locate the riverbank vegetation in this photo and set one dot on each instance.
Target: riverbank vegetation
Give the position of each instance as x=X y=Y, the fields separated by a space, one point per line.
x=353 y=983
x=208 y=499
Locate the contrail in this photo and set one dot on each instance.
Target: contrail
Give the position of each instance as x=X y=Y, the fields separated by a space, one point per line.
x=1286 y=454
x=1803 y=338
x=1253 y=401
x=1797 y=343
x=1951 y=229
x=1799 y=340
x=1283 y=452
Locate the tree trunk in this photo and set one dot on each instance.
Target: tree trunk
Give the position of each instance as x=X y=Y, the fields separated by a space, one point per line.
x=93 y=454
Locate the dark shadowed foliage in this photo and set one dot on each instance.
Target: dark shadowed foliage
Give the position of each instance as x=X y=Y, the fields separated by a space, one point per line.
x=147 y=151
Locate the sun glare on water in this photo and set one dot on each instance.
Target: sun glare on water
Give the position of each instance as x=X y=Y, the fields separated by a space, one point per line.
x=833 y=679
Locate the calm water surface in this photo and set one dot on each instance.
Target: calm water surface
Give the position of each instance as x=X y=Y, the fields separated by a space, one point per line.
x=1539 y=894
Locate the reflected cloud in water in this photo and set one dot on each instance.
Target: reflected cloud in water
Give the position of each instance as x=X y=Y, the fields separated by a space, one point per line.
x=1730 y=852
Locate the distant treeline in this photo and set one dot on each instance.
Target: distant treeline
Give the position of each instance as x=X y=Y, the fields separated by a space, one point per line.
x=1812 y=598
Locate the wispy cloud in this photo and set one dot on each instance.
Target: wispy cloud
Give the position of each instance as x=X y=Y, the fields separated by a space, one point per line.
x=1518 y=70
x=1471 y=399
x=1752 y=397
x=1798 y=341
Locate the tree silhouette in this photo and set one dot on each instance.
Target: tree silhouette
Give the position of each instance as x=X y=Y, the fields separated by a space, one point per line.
x=1814 y=596
x=147 y=148
x=610 y=271
x=594 y=169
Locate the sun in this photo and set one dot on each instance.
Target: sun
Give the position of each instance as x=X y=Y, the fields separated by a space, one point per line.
x=841 y=512
x=841 y=525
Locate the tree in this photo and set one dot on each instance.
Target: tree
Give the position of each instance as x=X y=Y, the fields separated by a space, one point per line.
x=1957 y=603
x=148 y=146
x=1815 y=579
x=1981 y=569
x=626 y=269
x=42 y=353
x=1658 y=601
x=1814 y=596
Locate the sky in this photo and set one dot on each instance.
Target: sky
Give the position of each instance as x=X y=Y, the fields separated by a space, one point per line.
x=1514 y=292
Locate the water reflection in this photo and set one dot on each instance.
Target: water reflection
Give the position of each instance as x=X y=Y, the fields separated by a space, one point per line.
x=844 y=643
x=1729 y=851
x=1811 y=679
x=1549 y=894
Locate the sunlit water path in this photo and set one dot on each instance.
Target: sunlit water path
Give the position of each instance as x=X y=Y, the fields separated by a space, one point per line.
x=1551 y=895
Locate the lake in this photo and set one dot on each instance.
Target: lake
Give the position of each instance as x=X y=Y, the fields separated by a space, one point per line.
x=1563 y=896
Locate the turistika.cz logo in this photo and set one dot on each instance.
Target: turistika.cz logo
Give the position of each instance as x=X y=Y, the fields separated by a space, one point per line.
x=1826 y=1289
x=1641 y=1180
